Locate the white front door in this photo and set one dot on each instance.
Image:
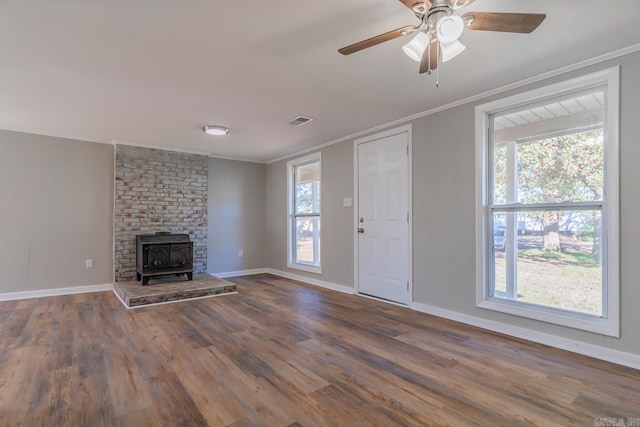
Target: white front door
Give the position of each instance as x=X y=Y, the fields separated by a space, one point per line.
x=383 y=217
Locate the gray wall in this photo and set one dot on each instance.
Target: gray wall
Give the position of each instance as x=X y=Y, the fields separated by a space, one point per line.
x=237 y=216
x=337 y=221
x=444 y=212
x=57 y=204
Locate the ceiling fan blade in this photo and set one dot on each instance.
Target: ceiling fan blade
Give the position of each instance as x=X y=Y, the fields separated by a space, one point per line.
x=381 y=38
x=507 y=22
x=429 y=61
x=418 y=6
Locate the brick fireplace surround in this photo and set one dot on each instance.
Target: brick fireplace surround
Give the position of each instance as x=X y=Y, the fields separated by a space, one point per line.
x=158 y=190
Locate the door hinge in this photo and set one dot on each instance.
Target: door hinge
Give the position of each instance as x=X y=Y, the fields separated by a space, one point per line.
x=407 y=150
x=407 y=286
x=407 y=217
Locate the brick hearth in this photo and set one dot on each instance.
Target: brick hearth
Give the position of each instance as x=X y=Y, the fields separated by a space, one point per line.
x=171 y=288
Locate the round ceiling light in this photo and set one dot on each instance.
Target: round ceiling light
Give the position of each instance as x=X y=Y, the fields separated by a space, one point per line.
x=215 y=130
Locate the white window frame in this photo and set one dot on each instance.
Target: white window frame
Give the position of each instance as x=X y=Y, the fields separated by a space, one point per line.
x=609 y=323
x=291 y=215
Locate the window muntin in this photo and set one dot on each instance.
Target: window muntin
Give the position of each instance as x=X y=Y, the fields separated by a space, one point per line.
x=304 y=214
x=549 y=212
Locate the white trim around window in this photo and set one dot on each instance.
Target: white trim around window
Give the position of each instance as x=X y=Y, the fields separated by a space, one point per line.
x=608 y=323
x=311 y=215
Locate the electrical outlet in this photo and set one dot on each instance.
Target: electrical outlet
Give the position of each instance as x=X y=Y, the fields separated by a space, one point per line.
x=88 y=263
x=347 y=202
x=240 y=253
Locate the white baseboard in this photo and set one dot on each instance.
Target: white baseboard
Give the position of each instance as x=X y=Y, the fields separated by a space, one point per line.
x=10 y=296
x=598 y=352
x=226 y=274
x=311 y=281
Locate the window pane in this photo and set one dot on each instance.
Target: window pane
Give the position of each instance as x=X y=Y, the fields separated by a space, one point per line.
x=557 y=155
x=500 y=174
x=562 y=168
x=500 y=265
x=307 y=240
x=307 y=188
x=499 y=246
x=554 y=261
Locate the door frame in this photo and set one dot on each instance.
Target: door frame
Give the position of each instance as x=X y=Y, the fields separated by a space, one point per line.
x=408 y=129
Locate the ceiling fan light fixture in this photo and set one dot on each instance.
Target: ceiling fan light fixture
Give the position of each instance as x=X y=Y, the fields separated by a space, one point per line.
x=215 y=130
x=450 y=51
x=449 y=29
x=416 y=47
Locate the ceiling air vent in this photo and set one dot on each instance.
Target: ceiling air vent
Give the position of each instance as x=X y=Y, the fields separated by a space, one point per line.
x=300 y=120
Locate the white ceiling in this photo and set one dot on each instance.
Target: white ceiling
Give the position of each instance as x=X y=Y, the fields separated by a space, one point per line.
x=153 y=72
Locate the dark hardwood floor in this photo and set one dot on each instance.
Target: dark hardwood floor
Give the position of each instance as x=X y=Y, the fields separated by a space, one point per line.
x=281 y=353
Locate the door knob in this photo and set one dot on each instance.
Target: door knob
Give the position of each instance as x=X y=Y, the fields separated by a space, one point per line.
x=360 y=230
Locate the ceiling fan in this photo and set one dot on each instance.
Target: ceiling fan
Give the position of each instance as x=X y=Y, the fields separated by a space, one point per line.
x=439 y=30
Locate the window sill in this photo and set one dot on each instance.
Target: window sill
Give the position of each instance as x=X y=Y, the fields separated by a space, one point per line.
x=585 y=322
x=304 y=267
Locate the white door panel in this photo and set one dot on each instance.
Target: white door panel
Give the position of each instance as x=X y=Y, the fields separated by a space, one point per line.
x=383 y=205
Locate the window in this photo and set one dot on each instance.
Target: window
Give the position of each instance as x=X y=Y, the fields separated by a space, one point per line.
x=304 y=214
x=548 y=213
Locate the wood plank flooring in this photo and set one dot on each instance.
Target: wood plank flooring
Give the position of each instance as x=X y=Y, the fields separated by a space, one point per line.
x=281 y=353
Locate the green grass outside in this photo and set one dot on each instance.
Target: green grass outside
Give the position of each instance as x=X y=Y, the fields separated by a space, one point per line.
x=571 y=279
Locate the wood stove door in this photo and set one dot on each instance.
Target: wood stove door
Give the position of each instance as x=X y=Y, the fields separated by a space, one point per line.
x=181 y=254
x=157 y=256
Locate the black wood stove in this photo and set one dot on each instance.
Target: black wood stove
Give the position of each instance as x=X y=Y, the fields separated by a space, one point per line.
x=163 y=254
